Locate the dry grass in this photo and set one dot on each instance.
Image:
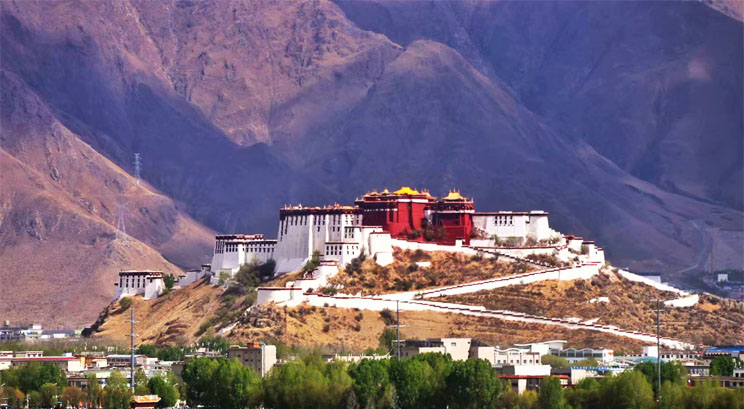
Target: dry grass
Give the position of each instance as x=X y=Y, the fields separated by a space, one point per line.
x=631 y=306
x=404 y=274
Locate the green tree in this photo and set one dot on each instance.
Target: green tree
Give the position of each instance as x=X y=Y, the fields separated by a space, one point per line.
x=169 y=280
x=551 y=394
x=72 y=396
x=670 y=371
x=93 y=392
x=199 y=374
x=306 y=384
x=34 y=398
x=555 y=362
x=35 y=374
x=385 y=343
x=140 y=383
x=117 y=394
x=629 y=390
x=472 y=384
x=412 y=380
x=236 y=386
x=165 y=389
x=724 y=365
x=585 y=395
x=372 y=385
x=49 y=394
x=125 y=303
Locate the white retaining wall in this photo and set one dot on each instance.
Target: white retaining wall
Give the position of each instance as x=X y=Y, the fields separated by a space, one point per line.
x=641 y=279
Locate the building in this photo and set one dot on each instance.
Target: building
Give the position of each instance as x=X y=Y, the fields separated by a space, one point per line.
x=342 y=233
x=519 y=226
x=734 y=351
x=147 y=283
x=67 y=363
x=527 y=377
x=457 y=348
x=258 y=356
x=144 y=401
x=575 y=354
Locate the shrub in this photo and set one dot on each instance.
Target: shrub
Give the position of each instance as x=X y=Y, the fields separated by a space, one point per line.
x=125 y=303
x=326 y=327
x=388 y=317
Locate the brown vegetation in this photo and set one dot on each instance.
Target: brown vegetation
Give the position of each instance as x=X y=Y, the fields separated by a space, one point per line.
x=404 y=274
x=631 y=306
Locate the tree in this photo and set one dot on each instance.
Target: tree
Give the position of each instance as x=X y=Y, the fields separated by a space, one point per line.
x=629 y=390
x=412 y=382
x=140 y=383
x=724 y=365
x=585 y=395
x=198 y=374
x=11 y=395
x=93 y=391
x=555 y=362
x=472 y=384
x=49 y=394
x=165 y=389
x=35 y=374
x=372 y=385
x=72 y=396
x=125 y=303
x=117 y=394
x=551 y=394
x=169 y=280
x=385 y=343
x=670 y=371
x=34 y=398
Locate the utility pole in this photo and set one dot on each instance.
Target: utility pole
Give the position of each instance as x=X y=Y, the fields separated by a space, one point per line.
x=131 y=350
x=397 y=325
x=658 y=349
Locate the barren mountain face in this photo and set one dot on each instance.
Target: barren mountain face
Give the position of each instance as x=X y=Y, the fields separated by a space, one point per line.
x=621 y=119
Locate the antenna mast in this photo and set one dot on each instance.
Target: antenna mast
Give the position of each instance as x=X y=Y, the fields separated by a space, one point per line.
x=658 y=350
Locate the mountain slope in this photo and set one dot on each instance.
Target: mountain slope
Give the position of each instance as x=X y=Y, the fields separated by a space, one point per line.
x=656 y=87
x=239 y=107
x=59 y=214
x=439 y=123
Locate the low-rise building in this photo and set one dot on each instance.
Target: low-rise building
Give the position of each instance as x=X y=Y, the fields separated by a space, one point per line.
x=67 y=363
x=575 y=354
x=147 y=283
x=457 y=348
x=258 y=356
x=144 y=401
x=527 y=377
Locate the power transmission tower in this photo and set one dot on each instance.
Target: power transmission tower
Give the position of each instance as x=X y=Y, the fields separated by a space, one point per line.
x=137 y=168
x=131 y=350
x=121 y=228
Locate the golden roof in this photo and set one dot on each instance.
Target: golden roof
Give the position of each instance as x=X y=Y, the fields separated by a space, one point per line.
x=405 y=190
x=453 y=195
x=146 y=398
x=385 y=192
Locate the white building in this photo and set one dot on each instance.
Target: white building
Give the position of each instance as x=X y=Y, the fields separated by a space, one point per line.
x=334 y=232
x=520 y=225
x=457 y=348
x=233 y=250
x=260 y=357
x=146 y=283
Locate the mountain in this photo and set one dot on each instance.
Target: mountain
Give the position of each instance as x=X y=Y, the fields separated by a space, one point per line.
x=621 y=119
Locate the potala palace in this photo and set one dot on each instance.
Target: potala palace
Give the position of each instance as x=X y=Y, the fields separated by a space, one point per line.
x=373 y=226
x=377 y=222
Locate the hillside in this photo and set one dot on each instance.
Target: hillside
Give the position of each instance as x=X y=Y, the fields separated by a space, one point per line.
x=59 y=214
x=183 y=316
x=622 y=119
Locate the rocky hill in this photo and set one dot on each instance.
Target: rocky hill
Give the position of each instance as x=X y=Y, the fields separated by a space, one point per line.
x=183 y=316
x=621 y=119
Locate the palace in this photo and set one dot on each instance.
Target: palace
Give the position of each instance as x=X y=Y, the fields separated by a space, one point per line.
x=370 y=227
x=377 y=219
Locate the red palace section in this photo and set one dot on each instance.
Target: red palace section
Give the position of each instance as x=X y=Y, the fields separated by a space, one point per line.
x=413 y=215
